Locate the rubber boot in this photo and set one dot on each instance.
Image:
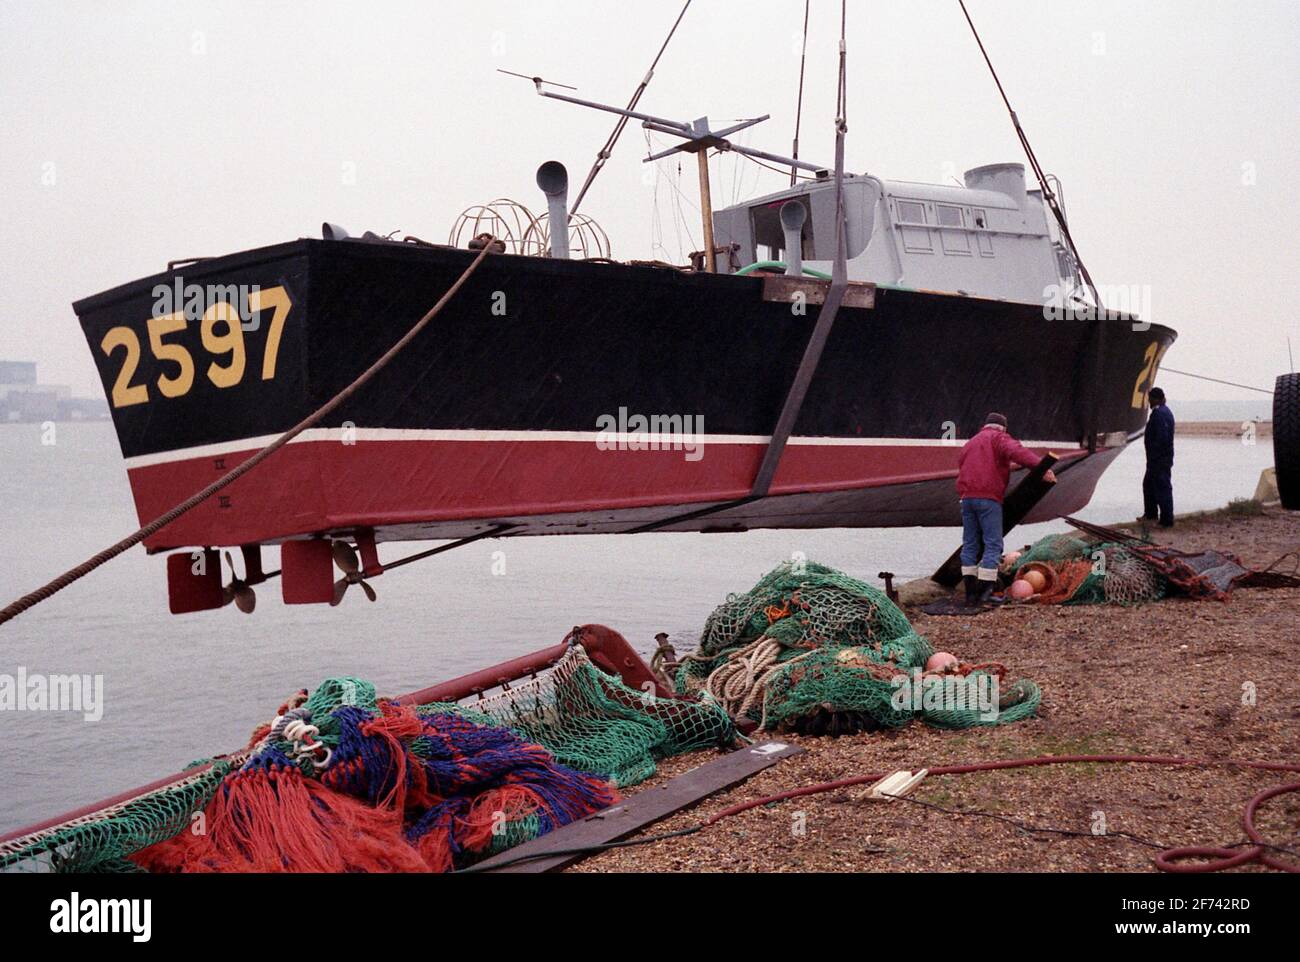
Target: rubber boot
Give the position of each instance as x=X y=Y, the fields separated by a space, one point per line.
x=971 y=584
x=984 y=593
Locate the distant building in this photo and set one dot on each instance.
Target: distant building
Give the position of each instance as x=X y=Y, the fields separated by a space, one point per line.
x=23 y=398
x=13 y=373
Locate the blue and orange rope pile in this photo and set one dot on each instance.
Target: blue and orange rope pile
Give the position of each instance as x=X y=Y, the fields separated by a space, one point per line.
x=354 y=784
x=341 y=780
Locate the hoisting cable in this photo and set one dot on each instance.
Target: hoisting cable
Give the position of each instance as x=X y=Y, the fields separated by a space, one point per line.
x=798 y=109
x=1050 y=197
x=1048 y=194
x=90 y=564
x=605 y=151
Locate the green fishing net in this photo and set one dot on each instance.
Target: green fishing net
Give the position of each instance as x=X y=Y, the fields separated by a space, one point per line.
x=809 y=640
x=1055 y=547
x=100 y=842
x=1090 y=572
x=591 y=721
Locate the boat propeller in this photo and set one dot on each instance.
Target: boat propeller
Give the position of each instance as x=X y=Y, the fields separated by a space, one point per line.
x=238 y=590
x=346 y=558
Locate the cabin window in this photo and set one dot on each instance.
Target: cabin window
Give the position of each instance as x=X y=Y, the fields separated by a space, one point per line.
x=981 y=218
x=768 y=234
x=948 y=215
x=911 y=212
x=956 y=242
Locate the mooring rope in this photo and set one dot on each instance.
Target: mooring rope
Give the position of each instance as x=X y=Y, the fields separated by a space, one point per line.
x=743 y=678
x=90 y=564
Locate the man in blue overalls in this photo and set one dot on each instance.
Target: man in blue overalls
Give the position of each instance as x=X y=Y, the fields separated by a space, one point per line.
x=1157 y=483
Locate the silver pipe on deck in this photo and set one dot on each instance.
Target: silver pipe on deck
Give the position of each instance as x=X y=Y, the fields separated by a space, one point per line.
x=553 y=179
x=793 y=214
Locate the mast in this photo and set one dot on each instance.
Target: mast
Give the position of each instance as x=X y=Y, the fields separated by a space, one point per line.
x=706 y=209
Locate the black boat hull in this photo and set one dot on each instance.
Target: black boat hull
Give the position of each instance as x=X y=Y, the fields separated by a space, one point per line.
x=495 y=414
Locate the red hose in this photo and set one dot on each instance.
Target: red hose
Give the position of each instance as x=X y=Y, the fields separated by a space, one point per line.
x=1221 y=858
x=1167 y=861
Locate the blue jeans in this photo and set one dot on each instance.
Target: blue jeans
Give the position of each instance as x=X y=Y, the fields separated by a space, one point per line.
x=981 y=523
x=1158 y=493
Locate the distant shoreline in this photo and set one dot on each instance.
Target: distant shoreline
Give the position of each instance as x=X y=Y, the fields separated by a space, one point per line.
x=1222 y=429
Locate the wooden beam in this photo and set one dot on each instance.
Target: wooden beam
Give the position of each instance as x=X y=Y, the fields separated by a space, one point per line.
x=781 y=289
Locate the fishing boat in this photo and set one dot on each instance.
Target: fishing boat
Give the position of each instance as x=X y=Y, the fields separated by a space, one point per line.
x=817 y=365
x=557 y=395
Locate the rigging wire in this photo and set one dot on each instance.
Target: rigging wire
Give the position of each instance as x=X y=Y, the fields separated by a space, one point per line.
x=661 y=177
x=1202 y=377
x=680 y=221
x=1048 y=194
x=656 y=217
x=1049 y=197
x=1043 y=181
x=842 y=99
x=798 y=110
x=608 y=149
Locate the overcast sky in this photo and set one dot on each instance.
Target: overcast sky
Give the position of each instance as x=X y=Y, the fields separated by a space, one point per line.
x=138 y=132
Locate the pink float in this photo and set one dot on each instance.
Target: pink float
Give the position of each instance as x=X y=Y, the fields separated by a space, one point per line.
x=941 y=660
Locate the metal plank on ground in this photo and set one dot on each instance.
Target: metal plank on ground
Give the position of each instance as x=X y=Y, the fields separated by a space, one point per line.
x=637 y=811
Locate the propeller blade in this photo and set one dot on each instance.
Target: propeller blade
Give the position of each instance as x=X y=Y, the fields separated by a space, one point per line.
x=345 y=557
x=340 y=589
x=245 y=598
x=370 y=592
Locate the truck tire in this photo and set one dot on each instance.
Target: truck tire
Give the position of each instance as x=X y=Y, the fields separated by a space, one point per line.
x=1286 y=439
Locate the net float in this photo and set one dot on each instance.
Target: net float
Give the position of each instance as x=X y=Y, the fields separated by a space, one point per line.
x=940 y=661
x=1021 y=589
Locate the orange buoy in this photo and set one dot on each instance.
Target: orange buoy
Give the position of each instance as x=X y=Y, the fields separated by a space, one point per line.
x=1023 y=588
x=941 y=660
x=1036 y=580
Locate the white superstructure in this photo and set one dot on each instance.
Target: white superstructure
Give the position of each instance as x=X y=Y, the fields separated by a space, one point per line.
x=990 y=238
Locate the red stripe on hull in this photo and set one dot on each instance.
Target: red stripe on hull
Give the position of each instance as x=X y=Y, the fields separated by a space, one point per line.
x=316 y=486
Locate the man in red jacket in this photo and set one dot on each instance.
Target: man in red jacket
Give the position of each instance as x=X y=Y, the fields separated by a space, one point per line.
x=983 y=470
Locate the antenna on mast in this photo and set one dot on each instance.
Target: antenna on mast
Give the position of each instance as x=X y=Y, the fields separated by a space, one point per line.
x=697 y=138
x=536 y=80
